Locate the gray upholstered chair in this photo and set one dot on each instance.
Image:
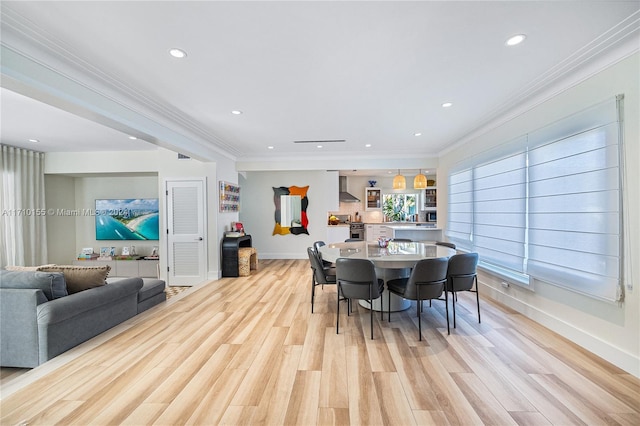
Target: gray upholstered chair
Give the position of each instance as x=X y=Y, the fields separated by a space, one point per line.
x=427 y=281
x=402 y=240
x=321 y=274
x=462 y=276
x=357 y=280
x=349 y=240
x=316 y=248
x=446 y=244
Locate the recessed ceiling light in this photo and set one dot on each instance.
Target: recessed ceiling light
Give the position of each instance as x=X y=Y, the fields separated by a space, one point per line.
x=319 y=146
x=177 y=53
x=516 y=39
x=417 y=134
x=236 y=112
x=270 y=147
x=133 y=138
x=368 y=145
x=447 y=105
x=34 y=140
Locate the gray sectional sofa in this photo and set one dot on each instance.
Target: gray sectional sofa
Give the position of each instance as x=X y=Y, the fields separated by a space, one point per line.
x=40 y=320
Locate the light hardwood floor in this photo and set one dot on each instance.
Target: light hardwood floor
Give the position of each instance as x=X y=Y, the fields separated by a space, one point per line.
x=249 y=351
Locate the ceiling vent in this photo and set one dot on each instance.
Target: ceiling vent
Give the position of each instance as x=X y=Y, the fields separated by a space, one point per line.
x=323 y=141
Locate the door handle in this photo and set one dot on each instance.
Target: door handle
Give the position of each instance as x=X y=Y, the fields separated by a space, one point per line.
x=199 y=238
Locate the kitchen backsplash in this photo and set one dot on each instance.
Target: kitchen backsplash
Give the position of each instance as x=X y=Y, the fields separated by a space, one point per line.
x=367 y=216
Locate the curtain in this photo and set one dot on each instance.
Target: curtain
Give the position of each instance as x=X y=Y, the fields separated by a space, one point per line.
x=23 y=232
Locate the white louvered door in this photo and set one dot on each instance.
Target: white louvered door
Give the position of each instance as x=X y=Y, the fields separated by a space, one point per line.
x=186 y=236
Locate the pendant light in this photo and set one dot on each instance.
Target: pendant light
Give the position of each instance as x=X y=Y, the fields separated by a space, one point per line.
x=420 y=181
x=399 y=182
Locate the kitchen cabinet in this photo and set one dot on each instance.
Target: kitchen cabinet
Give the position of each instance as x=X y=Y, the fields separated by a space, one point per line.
x=372 y=198
x=125 y=268
x=374 y=231
x=415 y=232
x=337 y=233
x=430 y=202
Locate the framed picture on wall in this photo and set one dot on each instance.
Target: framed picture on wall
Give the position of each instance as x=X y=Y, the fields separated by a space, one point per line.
x=229 y=197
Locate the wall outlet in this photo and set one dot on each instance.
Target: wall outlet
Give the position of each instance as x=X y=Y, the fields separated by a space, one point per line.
x=505 y=284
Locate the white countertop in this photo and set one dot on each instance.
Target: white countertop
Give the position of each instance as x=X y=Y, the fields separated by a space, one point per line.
x=413 y=227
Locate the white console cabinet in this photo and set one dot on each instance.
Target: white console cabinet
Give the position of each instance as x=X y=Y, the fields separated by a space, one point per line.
x=125 y=268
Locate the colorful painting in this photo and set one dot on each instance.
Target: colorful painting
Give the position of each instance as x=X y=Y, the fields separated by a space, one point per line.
x=229 y=197
x=297 y=220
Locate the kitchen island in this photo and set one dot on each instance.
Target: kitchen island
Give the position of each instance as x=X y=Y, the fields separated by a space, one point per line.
x=415 y=232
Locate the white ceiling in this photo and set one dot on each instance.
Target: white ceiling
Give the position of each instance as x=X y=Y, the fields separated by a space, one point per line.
x=366 y=72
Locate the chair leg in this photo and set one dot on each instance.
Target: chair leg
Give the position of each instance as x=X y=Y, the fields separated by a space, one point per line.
x=446 y=309
x=371 y=315
x=477 y=298
x=453 y=299
x=338 y=312
x=313 y=292
x=371 y=308
x=388 y=306
x=419 y=309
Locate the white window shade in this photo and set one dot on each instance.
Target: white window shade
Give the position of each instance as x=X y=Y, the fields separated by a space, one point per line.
x=574 y=235
x=500 y=212
x=460 y=216
x=549 y=204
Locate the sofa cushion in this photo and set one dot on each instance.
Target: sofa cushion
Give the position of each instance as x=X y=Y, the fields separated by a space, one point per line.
x=150 y=288
x=52 y=284
x=81 y=278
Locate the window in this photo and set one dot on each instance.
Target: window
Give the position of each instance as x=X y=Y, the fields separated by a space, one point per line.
x=400 y=207
x=549 y=207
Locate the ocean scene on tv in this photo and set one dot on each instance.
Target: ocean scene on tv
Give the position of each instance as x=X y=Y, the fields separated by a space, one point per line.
x=128 y=219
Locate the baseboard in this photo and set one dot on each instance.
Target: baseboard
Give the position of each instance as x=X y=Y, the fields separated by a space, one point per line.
x=620 y=358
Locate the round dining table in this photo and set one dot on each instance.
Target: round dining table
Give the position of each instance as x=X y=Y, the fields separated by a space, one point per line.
x=391 y=262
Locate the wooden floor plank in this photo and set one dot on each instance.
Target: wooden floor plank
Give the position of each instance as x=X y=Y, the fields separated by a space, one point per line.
x=248 y=350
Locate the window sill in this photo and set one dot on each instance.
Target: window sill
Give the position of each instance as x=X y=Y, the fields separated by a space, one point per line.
x=521 y=280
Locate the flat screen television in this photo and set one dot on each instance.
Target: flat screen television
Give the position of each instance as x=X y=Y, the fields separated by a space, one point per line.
x=127 y=219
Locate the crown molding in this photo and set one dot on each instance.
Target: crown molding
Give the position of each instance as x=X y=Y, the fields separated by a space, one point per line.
x=70 y=78
x=611 y=47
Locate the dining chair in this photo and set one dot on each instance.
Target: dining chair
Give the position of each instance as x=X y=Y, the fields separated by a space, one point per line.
x=321 y=274
x=427 y=281
x=357 y=279
x=316 y=248
x=446 y=244
x=349 y=240
x=402 y=240
x=462 y=276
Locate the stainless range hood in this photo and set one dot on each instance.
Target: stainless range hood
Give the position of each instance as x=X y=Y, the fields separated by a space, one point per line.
x=345 y=197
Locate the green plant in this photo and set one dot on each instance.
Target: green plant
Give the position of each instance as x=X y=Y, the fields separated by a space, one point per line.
x=393 y=208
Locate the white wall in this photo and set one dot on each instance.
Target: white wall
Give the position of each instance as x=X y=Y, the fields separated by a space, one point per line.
x=257 y=210
x=608 y=330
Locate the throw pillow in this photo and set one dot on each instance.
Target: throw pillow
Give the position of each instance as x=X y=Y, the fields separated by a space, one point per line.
x=52 y=284
x=25 y=268
x=81 y=278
